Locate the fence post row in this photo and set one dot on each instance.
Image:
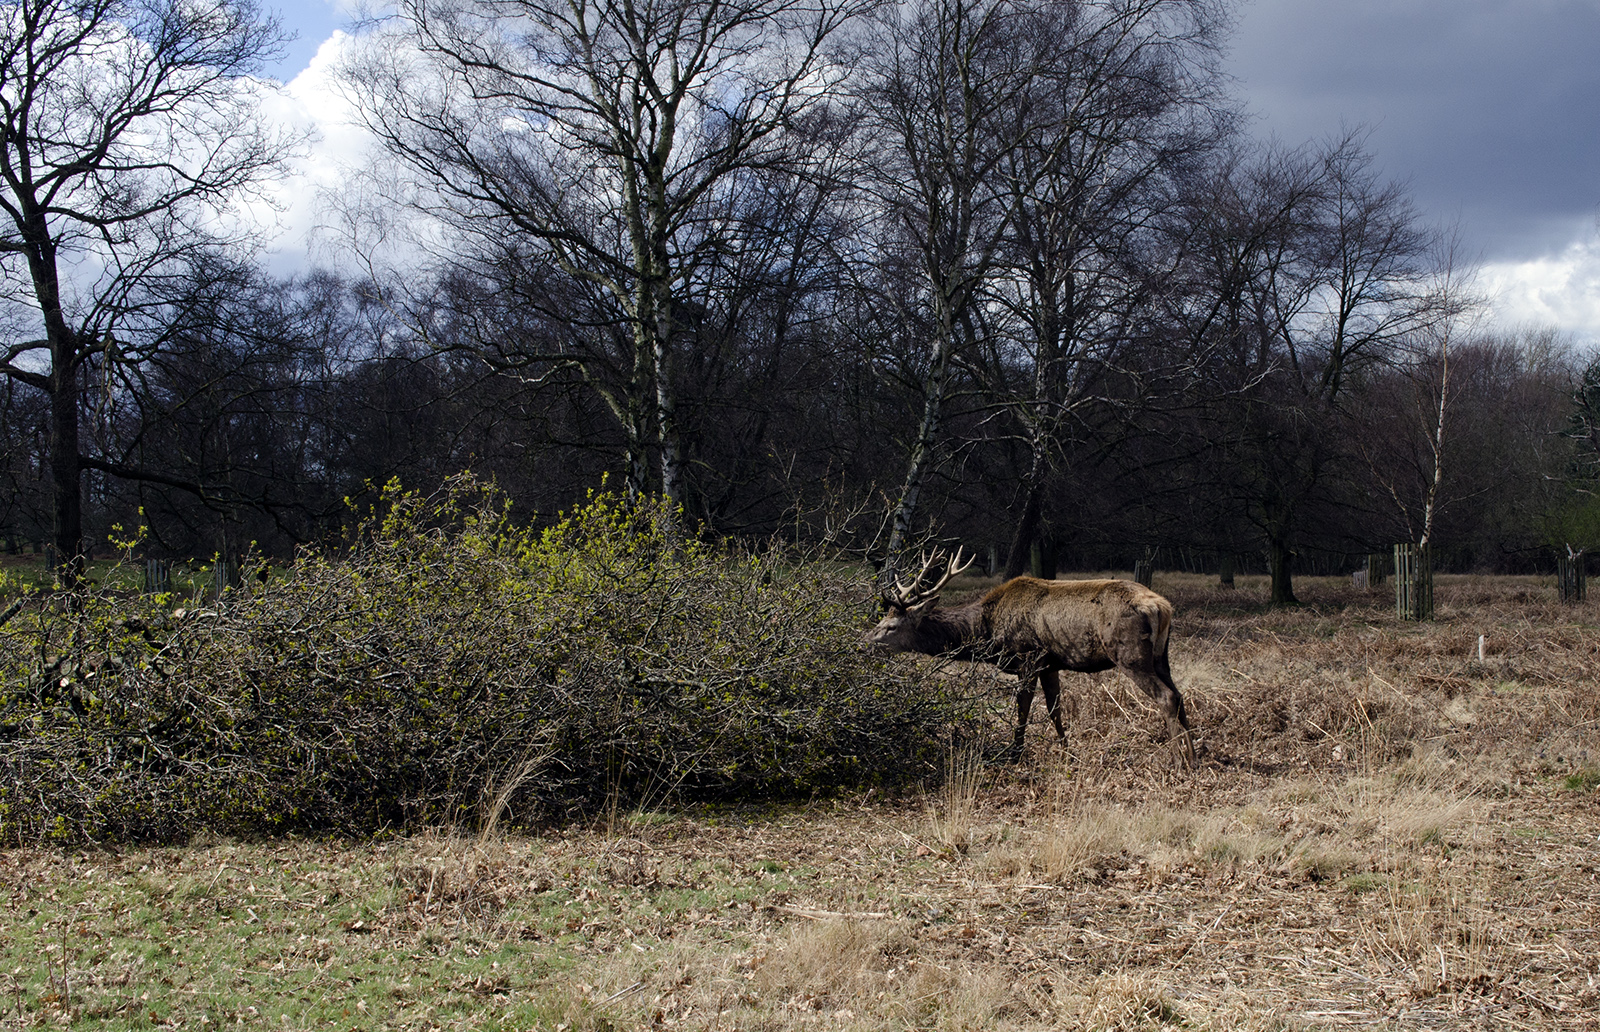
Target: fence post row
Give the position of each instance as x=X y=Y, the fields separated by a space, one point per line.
x=157 y=576
x=1144 y=571
x=224 y=575
x=1413 y=582
x=1377 y=568
x=1572 y=581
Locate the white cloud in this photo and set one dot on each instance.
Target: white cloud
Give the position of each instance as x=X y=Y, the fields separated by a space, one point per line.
x=311 y=102
x=1561 y=289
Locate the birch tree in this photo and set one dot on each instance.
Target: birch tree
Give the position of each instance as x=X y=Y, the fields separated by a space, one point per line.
x=1410 y=468
x=945 y=99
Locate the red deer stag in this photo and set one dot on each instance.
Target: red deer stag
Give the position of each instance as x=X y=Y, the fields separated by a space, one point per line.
x=1036 y=628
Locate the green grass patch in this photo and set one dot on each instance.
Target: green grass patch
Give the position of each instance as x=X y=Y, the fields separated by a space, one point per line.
x=1364 y=882
x=303 y=937
x=1586 y=780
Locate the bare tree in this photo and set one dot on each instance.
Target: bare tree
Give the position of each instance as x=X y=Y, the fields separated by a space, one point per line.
x=127 y=127
x=1129 y=96
x=1308 y=272
x=1584 y=427
x=224 y=421
x=1580 y=519
x=1407 y=464
x=607 y=141
x=945 y=98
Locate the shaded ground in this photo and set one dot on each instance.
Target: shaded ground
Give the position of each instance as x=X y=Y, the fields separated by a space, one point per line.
x=1384 y=832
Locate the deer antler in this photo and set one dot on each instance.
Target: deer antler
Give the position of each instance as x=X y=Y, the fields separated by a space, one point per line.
x=906 y=591
x=909 y=595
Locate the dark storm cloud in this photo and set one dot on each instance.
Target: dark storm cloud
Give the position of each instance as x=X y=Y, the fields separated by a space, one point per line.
x=1490 y=109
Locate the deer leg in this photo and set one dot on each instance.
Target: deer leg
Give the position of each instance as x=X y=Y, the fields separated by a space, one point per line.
x=1024 y=707
x=1164 y=675
x=1178 y=729
x=1148 y=668
x=1050 y=681
x=1159 y=686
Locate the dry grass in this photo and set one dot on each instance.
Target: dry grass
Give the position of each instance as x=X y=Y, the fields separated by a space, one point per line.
x=950 y=816
x=1384 y=832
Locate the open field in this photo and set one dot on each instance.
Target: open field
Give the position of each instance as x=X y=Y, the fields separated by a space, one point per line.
x=1385 y=832
x=26 y=572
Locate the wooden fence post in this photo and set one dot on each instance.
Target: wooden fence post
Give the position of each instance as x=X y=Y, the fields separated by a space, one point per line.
x=1225 y=574
x=1144 y=571
x=1413 y=582
x=1572 y=581
x=1377 y=569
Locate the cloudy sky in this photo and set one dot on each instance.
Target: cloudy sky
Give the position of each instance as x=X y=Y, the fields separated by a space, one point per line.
x=1489 y=109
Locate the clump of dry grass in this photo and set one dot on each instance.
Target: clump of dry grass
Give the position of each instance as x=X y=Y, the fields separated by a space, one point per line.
x=451 y=879
x=1122 y=1002
x=1092 y=836
x=1434 y=926
x=831 y=962
x=950 y=821
x=1319 y=829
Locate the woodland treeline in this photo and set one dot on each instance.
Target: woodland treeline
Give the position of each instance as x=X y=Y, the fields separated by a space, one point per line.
x=1016 y=273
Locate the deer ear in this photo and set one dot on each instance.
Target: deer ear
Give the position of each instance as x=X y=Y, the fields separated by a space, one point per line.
x=924 y=607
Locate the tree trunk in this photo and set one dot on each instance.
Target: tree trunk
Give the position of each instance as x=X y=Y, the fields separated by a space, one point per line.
x=62 y=386
x=65 y=482
x=667 y=427
x=667 y=402
x=1049 y=558
x=635 y=424
x=934 y=388
x=1027 y=529
x=1280 y=560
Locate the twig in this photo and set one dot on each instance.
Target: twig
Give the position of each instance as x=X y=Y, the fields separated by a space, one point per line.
x=620 y=993
x=1200 y=935
x=831 y=915
x=13 y=609
x=1373 y=674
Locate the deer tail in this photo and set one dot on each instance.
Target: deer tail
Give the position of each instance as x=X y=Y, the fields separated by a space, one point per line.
x=1159 y=612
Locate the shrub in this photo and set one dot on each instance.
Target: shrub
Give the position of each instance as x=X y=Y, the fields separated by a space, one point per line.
x=447 y=658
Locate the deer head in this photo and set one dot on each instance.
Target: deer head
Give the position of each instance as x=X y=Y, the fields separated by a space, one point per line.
x=906 y=605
